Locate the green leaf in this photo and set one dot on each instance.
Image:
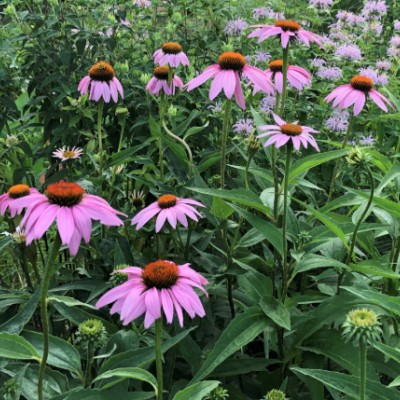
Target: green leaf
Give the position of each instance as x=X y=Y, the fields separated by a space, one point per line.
x=18 y=321
x=69 y=301
x=371 y=267
x=104 y=394
x=122 y=156
x=61 y=353
x=255 y=285
x=331 y=225
x=16 y=347
x=348 y=384
x=388 y=351
x=141 y=357
x=220 y=208
x=196 y=391
x=240 y=331
x=276 y=311
x=395 y=382
x=127 y=373
x=314 y=261
x=241 y=196
x=306 y=163
x=389 y=303
x=271 y=233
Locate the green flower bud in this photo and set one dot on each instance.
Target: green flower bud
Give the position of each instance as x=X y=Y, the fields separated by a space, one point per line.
x=11 y=388
x=356 y=158
x=91 y=332
x=362 y=325
x=218 y=393
x=172 y=111
x=117 y=278
x=11 y=140
x=253 y=144
x=275 y=394
x=9 y=10
x=144 y=79
x=227 y=47
x=122 y=113
x=170 y=28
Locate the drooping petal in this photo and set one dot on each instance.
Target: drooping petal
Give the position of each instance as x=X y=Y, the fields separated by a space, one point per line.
x=167 y=305
x=239 y=96
x=65 y=224
x=208 y=73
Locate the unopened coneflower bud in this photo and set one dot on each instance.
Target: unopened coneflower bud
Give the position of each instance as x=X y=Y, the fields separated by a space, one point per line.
x=362 y=325
x=356 y=158
x=137 y=198
x=253 y=144
x=218 y=393
x=275 y=394
x=11 y=140
x=144 y=78
x=91 y=332
x=117 y=278
x=122 y=113
x=227 y=47
x=172 y=111
x=170 y=28
x=11 y=387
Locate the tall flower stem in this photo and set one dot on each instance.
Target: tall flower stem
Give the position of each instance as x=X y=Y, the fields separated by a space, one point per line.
x=224 y=140
x=158 y=336
x=335 y=170
x=121 y=137
x=363 y=369
x=273 y=167
x=357 y=226
x=285 y=67
x=246 y=171
x=48 y=270
x=88 y=373
x=184 y=144
x=99 y=134
x=160 y=144
x=285 y=272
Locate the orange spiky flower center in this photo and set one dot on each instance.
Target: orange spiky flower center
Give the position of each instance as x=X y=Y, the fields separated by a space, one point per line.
x=276 y=65
x=65 y=194
x=362 y=83
x=161 y=274
x=166 y=201
x=162 y=72
x=171 y=48
x=288 y=25
x=102 y=71
x=231 y=60
x=17 y=191
x=291 y=129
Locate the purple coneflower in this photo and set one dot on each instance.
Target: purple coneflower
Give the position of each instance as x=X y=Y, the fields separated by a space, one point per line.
x=161 y=287
x=357 y=92
x=160 y=82
x=170 y=54
x=168 y=207
x=14 y=193
x=298 y=77
x=286 y=29
x=65 y=153
x=226 y=76
x=102 y=82
x=284 y=132
x=71 y=206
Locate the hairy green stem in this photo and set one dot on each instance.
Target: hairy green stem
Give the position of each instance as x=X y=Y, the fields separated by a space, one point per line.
x=160 y=144
x=285 y=272
x=114 y=168
x=274 y=168
x=224 y=139
x=48 y=270
x=88 y=374
x=184 y=144
x=335 y=170
x=24 y=266
x=159 y=367
x=246 y=171
x=363 y=369
x=284 y=72
x=99 y=134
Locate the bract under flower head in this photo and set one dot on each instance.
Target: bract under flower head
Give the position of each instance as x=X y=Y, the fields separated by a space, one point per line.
x=168 y=207
x=160 y=287
x=102 y=82
x=71 y=207
x=226 y=76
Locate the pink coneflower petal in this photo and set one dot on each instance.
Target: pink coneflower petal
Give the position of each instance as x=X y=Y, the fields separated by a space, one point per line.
x=167 y=305
x=208 y=73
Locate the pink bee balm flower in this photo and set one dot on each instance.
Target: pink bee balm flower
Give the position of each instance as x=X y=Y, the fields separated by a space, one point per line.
x=72 y=207
x=65 y=154
x=102 y=82
x=160 y=286
x=356 y=92
x=168 y=207
x=160 y=82
x=170 y=54
x=283 y=132
x=297 y=76
x=14 y=193
x=286 y=29
x=226 y=75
